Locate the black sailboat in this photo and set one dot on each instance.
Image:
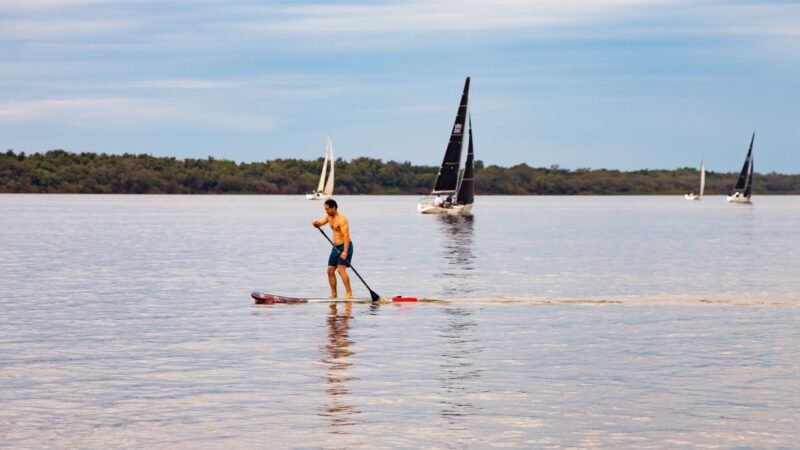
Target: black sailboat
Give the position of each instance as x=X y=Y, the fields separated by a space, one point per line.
x=743 y=189
x=454 y=189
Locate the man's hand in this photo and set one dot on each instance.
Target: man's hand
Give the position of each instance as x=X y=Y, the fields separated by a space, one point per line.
x=315 y=223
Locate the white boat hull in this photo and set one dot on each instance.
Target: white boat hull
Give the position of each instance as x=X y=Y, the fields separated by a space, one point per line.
x=692 y=197
x=454 y=210
x=317 y=196
x=738 y=199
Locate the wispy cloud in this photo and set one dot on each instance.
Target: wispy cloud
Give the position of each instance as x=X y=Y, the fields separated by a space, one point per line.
x=443 y=15
x=27 y=5
x=73 y=29
x=748 y=17
x=129 y=113
x=181 y=24
x=175 y=84
x=276 y=86
x=675 y=17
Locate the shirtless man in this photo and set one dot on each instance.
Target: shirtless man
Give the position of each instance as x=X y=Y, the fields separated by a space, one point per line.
x=339 y=260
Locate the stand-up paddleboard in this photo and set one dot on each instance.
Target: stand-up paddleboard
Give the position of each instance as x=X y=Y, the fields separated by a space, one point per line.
x=262 y=298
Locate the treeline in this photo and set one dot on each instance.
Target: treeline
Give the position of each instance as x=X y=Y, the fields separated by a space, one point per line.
x=59 y=171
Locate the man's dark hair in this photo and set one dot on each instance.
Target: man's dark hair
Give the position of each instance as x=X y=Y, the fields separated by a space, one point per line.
x=332 y=203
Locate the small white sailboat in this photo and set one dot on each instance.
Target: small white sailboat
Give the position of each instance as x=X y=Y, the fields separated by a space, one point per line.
x=743 y=189
x=454 y=190
x=324 y=188
x=699 y=194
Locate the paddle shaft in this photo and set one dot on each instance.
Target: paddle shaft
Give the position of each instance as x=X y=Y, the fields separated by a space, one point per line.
x=375 y=297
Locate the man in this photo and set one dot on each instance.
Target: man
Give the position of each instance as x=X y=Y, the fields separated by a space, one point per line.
x=448 y=202
x=338 y=261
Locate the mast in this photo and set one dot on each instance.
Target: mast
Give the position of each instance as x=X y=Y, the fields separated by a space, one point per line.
x=329 y=184
x=447 y=179
x=466 y=190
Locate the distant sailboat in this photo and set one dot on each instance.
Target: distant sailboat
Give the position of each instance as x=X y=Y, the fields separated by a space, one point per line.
x=743 y=189
x=324 y=188
x=456 y=185
x=699 y=194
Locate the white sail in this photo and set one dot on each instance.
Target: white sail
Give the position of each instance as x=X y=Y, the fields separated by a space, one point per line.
x=698 y=194
x=702 y=179
x=324 y=168
x=329 y=185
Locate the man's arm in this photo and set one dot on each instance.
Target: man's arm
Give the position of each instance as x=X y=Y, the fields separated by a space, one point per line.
x=320 y=222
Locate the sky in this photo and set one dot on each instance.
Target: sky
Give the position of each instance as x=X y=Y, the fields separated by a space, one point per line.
x=617 y=84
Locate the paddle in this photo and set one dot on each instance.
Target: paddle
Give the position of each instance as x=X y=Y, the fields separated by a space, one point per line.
x=375 y=297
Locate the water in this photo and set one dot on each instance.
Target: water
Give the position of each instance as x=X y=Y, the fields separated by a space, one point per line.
x=573 y=322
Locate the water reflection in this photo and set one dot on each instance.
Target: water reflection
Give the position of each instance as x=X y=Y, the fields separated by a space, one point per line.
x=746 y=227
x=460 y=375
x=336 y=356
x=456 y=245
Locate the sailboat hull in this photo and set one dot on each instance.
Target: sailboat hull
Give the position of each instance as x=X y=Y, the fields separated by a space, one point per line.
x=692 y=197
x=317 y=196
x=454 y=210
x=738 y=199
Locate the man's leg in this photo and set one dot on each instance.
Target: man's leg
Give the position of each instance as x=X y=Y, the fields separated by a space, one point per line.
x=345 y=279
x=332 y=280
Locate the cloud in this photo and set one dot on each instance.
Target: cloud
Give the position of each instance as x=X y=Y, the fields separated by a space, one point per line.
x=130 y=113
x=430 y=16
x=277 y=86
x=11 y=5
x=182 y=84
x=444 y=15
x=172 y=24
x=46 y=29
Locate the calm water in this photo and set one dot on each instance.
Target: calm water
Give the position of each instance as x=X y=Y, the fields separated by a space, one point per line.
x=648 y=322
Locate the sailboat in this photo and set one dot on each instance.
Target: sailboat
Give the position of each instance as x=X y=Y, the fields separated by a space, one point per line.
x=743 y=189
x=324 y=188
x=454 y=190
x=699 y=194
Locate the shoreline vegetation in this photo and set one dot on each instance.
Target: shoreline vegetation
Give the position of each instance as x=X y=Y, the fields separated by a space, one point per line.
x=59 y=171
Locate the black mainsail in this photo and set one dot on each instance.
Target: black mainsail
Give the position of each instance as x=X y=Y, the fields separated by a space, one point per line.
x=466 y=188
x=748 y=191
x=447 y=179
x=744 y=184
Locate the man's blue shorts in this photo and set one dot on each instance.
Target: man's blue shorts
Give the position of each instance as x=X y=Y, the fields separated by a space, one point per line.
x=334 y=259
